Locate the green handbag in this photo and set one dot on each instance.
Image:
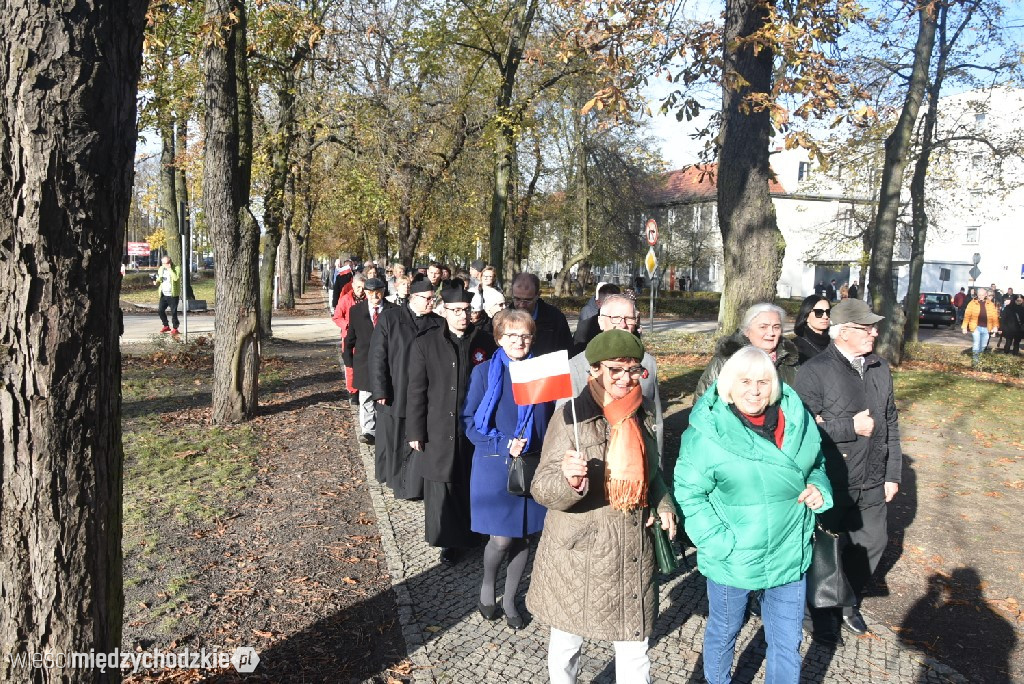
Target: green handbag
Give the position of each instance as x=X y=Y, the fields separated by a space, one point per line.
x=664 y=554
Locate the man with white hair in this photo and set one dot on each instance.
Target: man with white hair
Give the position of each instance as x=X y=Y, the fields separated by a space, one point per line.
x=848 y=388
x=761 y=326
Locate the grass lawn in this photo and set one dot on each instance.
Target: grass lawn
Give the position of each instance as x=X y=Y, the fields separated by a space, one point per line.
x=203 y=289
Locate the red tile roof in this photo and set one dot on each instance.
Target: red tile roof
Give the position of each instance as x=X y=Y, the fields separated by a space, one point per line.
x=692 y=184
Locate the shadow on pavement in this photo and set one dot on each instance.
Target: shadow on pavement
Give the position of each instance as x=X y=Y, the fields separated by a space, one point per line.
x=953 y=616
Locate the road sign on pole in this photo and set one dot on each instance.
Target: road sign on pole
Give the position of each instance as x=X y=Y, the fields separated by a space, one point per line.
x=651 y=232
x=651 y=262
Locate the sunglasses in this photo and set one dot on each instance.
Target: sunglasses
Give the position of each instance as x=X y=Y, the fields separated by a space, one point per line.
x=822 y=313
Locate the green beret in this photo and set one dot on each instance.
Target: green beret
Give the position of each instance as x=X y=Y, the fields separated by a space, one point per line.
x=614 y=344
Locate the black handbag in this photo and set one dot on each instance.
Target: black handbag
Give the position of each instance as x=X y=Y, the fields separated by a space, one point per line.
x=827 y=585
x=521 y=469
x=664 y=554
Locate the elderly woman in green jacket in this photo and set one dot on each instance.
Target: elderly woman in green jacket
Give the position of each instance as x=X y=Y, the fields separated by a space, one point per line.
x=750 y=479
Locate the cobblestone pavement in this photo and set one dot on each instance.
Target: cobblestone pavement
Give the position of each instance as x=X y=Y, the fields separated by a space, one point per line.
x=448 y=641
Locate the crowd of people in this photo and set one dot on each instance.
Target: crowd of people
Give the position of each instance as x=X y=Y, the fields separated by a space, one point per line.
x=785 y=433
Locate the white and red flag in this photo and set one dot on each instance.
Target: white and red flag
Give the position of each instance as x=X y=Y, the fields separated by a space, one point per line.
x=540 y=379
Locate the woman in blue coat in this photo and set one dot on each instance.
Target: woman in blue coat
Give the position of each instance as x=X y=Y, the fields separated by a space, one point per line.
x=499 y=429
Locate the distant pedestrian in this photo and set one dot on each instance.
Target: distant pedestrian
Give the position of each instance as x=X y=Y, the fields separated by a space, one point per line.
x=844 y=292
x=400 y=291
x=981 y=319
x=552 y=328
x=342 y=277
x=362 y=319
x=1011 y=324
x=588 y=325
x=960 y=303
x=476 y=268
x=489 y=277
x=854 y=291
x=168 y=279
x=341 y=319
x=830 y=290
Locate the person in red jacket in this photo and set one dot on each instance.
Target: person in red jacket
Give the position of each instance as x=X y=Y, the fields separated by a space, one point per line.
x=340 y=318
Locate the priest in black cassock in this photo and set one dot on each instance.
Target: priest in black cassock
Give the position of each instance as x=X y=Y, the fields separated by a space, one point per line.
x=389 y=377
x=440 y=363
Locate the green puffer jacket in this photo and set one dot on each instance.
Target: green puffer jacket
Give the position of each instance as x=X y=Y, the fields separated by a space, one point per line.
x=738 y=493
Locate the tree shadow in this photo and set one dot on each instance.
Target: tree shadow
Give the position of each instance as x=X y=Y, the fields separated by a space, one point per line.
x=305 y=401
x=954 y=617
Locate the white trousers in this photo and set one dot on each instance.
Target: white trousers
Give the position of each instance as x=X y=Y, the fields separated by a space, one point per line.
x=632 y=666
x=367 y=413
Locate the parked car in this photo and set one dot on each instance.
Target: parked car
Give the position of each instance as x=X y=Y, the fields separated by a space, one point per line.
x=937 y=308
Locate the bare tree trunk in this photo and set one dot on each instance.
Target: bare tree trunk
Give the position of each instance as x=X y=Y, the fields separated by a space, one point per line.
x=181 y=188
x=917 y=182
x=520 y=20
x=883 y=296
x=752 y=243
x=67 y=140
x=168 y=194
x=226 y=178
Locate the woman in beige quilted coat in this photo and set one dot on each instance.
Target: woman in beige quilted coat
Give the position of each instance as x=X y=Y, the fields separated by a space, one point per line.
x=594 y=571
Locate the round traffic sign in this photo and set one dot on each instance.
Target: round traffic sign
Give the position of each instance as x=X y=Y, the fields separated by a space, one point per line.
x=651 y=229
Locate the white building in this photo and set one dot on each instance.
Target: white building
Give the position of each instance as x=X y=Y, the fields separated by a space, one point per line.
x=975 y=194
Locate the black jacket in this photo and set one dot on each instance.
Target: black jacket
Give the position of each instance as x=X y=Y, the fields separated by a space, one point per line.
x=786 y=359
x=356 y=350
x=552 y=330
x=832 y=388
x=389 y=354
x=340 y=281
x=439 y=368
x=810 y=344
x=1011 y=320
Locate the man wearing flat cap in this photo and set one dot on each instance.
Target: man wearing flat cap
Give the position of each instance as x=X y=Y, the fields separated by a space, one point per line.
x=389 y=376
x=440 y=363
x=848 y=388
x=362 y=319
x=475 y=270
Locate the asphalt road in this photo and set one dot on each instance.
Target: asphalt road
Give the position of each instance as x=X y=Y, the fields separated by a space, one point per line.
x=142 y=328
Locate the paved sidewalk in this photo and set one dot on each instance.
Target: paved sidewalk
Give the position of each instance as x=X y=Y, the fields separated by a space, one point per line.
x=448 y=641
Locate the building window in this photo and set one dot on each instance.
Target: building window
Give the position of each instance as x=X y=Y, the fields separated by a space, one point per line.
x=979 y=118
x=804 y=171
x=977 y=160
x=847 y=223
x=971 y=235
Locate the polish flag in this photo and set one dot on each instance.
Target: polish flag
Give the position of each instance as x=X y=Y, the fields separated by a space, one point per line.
x=544 y=378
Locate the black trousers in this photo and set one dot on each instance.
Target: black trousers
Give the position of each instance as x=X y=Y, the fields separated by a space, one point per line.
x=168 y=301
x=862 y=513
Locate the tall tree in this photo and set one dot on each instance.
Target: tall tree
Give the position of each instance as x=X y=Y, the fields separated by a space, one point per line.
x=227 y=172
x=67 y=139
x=897 y=146
x=751 y=240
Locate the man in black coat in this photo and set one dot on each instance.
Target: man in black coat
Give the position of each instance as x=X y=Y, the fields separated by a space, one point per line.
x=849 y=390
x=440 y=362
x=342 y=277
x=362 y=319
x=389 y=375
x=552 y=329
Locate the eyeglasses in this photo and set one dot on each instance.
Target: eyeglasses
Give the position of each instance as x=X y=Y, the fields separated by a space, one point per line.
x=616 y=320
x=869 y=329
x=617 y=371
x=458 y=310
x=522 y=337
x=428 y=297
x=822 y=313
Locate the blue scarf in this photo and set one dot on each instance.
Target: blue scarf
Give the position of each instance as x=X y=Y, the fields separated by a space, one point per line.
x=482 y=419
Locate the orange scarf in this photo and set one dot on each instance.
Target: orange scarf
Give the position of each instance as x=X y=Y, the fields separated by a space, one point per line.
x=625 y=480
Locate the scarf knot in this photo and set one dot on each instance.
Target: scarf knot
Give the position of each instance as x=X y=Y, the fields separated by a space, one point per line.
x=626 y=453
